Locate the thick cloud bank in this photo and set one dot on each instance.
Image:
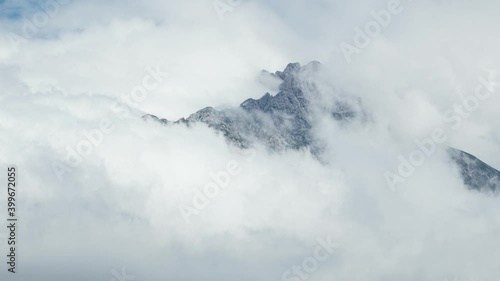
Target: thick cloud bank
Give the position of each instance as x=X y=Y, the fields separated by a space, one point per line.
x=106 y=195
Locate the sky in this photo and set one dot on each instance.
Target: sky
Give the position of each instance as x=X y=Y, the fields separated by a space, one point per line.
x=77 y=76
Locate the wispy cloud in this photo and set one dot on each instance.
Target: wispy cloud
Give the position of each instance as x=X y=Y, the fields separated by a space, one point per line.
x=120 y=208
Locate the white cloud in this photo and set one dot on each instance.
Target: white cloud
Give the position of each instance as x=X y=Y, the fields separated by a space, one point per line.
x=119 y=207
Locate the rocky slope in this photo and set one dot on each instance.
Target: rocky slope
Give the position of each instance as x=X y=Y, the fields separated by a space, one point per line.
x=475 y=173
x=284 y=121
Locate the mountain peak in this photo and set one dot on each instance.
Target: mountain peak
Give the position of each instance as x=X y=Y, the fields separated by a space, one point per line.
x=293 y=69
x=285 y=121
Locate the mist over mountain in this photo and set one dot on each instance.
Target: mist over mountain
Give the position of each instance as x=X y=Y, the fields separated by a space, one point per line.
x=285 y=121
x=150 y=145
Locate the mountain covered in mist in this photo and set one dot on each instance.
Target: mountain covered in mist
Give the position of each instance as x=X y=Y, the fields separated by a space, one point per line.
x=475 y=173
x=285 y=121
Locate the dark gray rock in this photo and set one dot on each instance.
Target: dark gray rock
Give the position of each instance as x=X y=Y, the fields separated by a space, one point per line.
x=475 y=173
x=284 y=121
x=155 y=118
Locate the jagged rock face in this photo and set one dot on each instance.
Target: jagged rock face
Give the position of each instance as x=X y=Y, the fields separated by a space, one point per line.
x=284 y=121
x=475 y=173
x=288 y=110
x=155 y=118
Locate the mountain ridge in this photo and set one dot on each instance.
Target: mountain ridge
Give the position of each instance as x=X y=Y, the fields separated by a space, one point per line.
x=285 y=120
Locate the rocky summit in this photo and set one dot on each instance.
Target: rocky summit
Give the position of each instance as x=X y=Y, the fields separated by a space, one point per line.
x=285 y=121
x=475 y=173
